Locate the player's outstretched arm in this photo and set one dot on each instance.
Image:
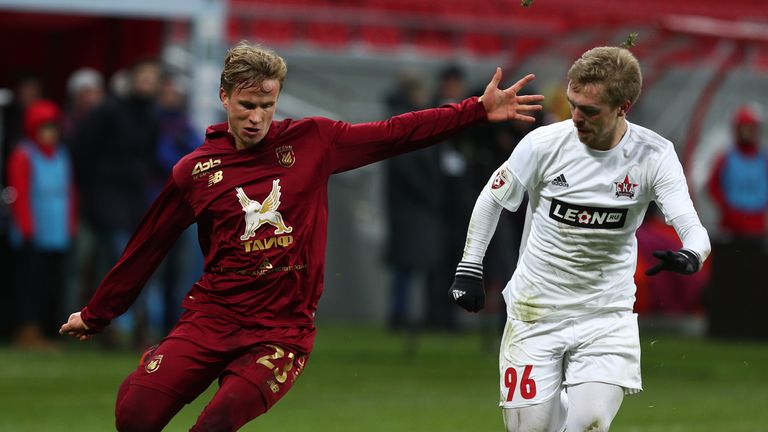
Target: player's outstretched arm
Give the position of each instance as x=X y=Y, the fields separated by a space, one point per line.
x=76 y=327
x=161 y=226
x=501 y=105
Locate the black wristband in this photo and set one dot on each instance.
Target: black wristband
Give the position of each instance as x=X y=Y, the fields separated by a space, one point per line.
x=692 y=258
x=693 y=261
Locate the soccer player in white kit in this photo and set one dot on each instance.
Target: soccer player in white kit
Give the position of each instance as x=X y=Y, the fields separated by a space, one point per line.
x=571 y=349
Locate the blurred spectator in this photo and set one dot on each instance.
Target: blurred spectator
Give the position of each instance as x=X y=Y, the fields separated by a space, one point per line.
x=28 y=89
x=85 y=91
x=451 y=85
x=120 y=83
x=739 y=187
x=176 y=135
x=415 y=196
x=183 y=264
x=44 y=223
x=459 y=185
x=739 y=183
x=114 y=150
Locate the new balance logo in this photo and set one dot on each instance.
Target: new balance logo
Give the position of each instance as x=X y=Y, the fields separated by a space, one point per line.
x=458 y=293
x=560 y=181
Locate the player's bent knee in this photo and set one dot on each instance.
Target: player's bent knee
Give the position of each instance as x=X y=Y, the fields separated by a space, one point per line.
x=131 y=421
x=145 y=410
x=593 y=423
x=133 y=424
x=594 y=405
x=548 y=416
x=592 y=420
x=525 y=420
x=216 y=422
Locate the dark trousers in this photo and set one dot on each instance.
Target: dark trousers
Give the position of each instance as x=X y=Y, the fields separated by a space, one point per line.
x=39 y=284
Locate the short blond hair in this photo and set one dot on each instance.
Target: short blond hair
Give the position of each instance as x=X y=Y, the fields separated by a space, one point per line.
x=614 y=67
x=247 y=65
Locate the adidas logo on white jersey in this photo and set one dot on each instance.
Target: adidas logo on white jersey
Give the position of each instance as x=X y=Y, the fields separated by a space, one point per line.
x=560 y=181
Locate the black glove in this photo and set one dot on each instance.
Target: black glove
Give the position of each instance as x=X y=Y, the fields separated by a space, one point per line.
x=682 y=261
x=467 y=289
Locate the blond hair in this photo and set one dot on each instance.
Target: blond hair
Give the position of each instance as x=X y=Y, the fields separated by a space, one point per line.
x=247 y=65
x=614 y=67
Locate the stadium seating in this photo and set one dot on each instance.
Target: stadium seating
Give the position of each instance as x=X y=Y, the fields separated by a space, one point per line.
x=381 y=38
x=448 y=27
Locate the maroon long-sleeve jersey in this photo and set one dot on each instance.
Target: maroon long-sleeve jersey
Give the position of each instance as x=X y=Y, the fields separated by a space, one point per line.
x=262 y=217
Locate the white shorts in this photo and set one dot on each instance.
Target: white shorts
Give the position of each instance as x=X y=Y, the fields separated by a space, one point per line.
x=538 y=359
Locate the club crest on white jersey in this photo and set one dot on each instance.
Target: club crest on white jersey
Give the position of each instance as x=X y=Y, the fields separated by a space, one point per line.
x=625 y=188
x=260 y=213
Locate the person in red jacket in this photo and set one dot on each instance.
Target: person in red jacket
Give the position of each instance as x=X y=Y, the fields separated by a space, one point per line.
x=257 y=189
x=44 y=222
x=739 y=182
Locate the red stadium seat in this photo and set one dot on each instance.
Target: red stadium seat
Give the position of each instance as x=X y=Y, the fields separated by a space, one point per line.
x=522 y=47
x=761 y=58
x=434 y=41
x=381 y=37
x=328 y=34
x=479 y=26
x=483 y=43
x=235 y=29
x=274 y=32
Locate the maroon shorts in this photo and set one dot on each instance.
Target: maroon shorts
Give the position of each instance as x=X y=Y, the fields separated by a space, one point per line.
x=202 y=348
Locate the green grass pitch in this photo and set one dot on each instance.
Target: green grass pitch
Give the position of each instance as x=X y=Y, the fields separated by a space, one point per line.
x=363 y=379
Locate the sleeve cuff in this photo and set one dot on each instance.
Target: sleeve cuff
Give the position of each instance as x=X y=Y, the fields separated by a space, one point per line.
x=693 y=256
x=95 y=324
x=477 y=108
x=470 y=270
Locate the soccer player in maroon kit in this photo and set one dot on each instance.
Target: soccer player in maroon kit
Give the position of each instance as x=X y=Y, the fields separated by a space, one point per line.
x=257 y=189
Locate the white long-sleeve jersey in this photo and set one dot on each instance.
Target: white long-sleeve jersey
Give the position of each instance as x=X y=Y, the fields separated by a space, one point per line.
x=579 y=250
